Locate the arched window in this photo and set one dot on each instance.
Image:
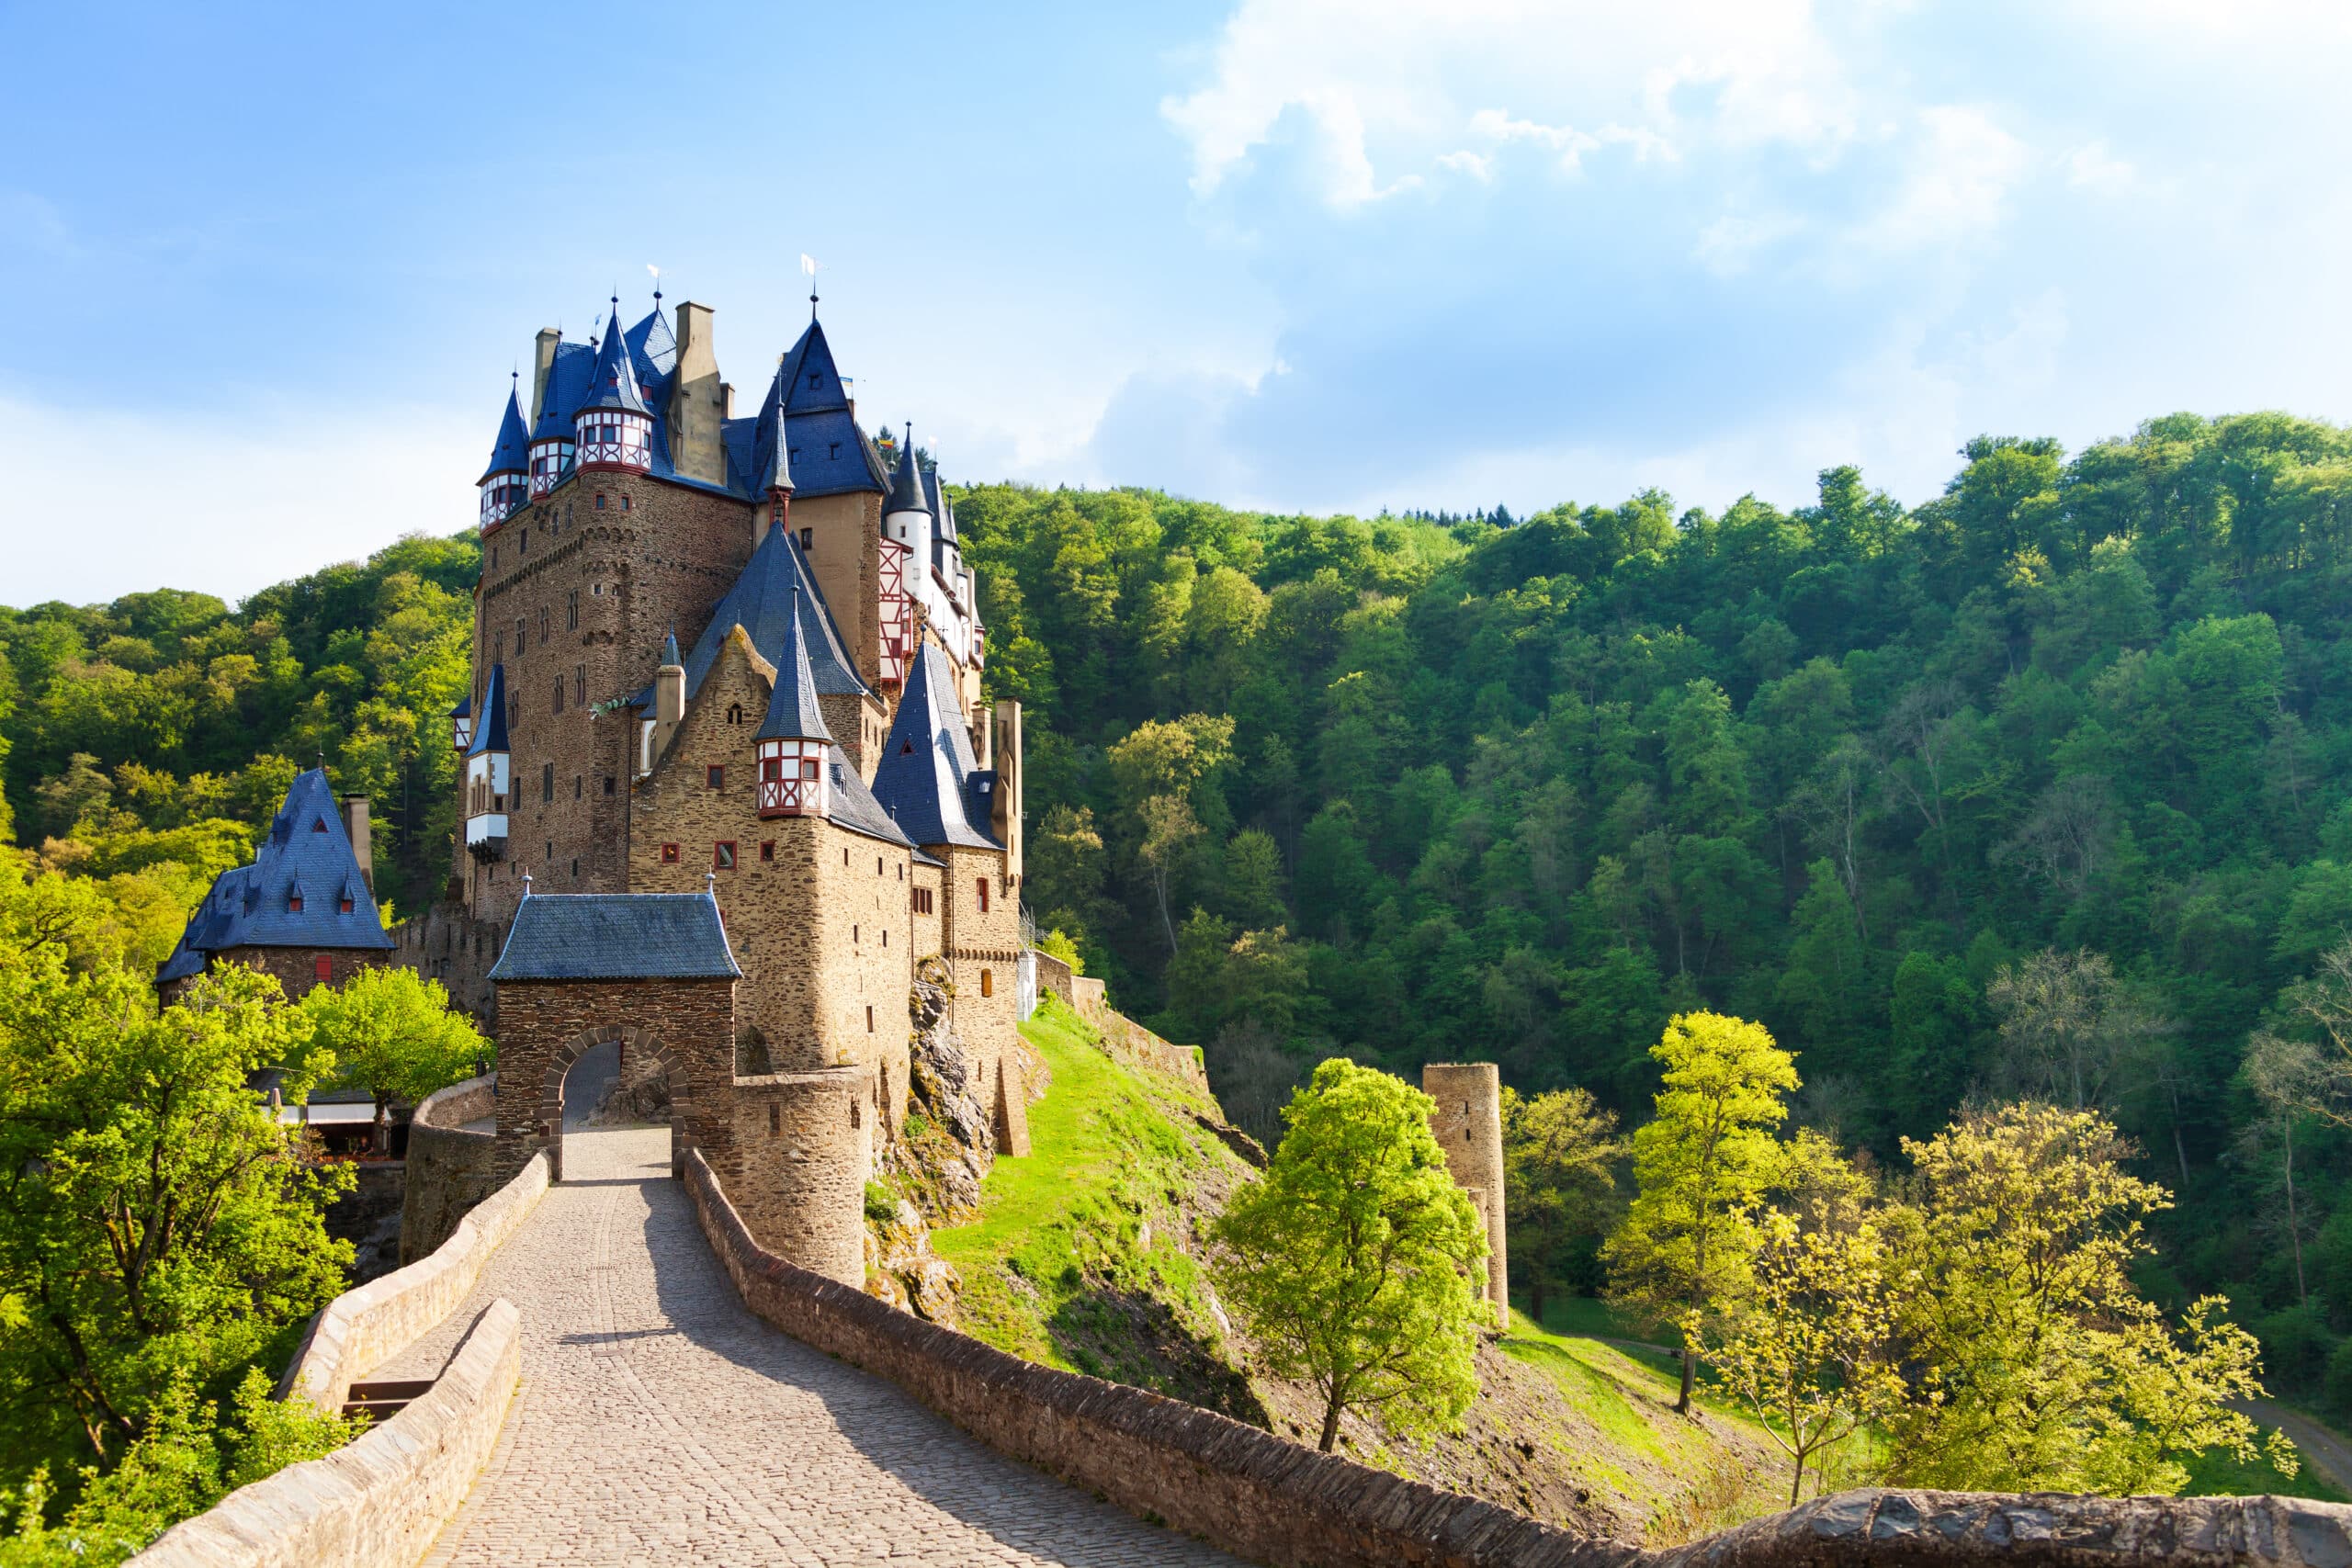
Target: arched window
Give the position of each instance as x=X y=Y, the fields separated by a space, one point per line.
x=988 y=982
x=734 y=712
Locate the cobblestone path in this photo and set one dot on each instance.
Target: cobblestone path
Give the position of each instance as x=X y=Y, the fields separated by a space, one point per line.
x=659 y=1422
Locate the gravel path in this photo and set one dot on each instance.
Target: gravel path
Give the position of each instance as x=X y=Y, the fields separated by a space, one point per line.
x=2322 y=1449
x=659 y=1422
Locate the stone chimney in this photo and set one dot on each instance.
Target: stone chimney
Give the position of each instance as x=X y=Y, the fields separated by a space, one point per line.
x=698 y=400
x=354 y=827
x=669 y=705
x=542 y=361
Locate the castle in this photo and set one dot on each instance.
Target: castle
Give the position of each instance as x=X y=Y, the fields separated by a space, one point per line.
x=726 y=781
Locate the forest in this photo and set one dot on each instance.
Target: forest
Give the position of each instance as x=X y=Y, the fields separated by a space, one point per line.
x=2034 y=790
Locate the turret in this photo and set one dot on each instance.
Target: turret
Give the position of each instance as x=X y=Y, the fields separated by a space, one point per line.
x=794 y=744
x=906 y=511
x=461 y=723
x=906 y=545
x=503 y=484
x=777 y=481
x=489 y=773
x=613 y=429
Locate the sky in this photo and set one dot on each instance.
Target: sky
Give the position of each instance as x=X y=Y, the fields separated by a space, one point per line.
x=270 y=266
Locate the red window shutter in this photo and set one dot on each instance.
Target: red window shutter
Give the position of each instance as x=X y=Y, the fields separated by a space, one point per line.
x=323 y=968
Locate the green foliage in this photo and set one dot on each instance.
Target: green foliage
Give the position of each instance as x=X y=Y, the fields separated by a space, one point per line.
x=881 y=1204
x=1685 y=1246
x=156 y=1225
x=1351 y=1259
x=145 y=716
x=1560 y=1152
x=392 y=1031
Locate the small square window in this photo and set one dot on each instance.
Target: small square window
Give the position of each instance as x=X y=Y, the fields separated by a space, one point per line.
x=722 y=855
x=807 y=538
x=294 y=903
x=715 y=776
x=608 y=783
x=344 y=907
x=669 y=854
x=323 y=969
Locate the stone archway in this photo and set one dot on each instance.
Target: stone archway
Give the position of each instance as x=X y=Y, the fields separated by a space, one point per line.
x=635 y=1044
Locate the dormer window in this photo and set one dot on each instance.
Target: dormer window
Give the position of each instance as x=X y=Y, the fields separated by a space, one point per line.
x=293 y=903
x=345 y=906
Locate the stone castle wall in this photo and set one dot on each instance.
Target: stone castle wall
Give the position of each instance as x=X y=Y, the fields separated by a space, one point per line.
x=444 y=944
x=983 y=953
x=804 y=1148
x=296 y=969
x=845 y=550
x=1468 y=1126
x=582 y=594
x=450 y=1169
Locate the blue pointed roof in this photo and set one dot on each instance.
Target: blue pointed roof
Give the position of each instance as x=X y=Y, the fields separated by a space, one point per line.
x=853 y=806
x=655 y=349
x=612 y=383
x=929 y=780
x=490 y=734
x=306 y=855
x=774 y=590
x=465 y=709
x=793 y=713
x=511 y=452
x=815 y=385
x=906 y=490
x=670 y=650
x=775 y=472
x=567 y=389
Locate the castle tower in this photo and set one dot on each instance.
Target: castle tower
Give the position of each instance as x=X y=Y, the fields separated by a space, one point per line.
x=503 y=484
x=489 y=773
x=613 y=429
x=1468 y=1126
x=794 y=744
x=905 y=553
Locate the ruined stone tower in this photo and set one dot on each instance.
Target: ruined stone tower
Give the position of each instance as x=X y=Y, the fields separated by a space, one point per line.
x=1468 y=1125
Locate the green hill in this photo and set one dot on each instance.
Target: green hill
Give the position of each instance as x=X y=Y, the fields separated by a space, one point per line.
x=1087 y=1257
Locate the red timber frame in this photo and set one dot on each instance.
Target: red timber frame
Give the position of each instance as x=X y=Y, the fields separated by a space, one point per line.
x=792 y=778
x=895 y=614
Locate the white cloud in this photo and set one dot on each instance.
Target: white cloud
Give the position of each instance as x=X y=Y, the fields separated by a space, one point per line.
x=225 y=504
x=1729 y=244
x=1959 y=168
x=1479 y=166
x=1387 y=81
x=2092 y=167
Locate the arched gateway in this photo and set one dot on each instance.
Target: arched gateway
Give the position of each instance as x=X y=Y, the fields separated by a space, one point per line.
x=651 y=971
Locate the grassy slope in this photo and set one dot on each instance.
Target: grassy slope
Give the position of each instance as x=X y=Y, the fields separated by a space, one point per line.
x=1083 y=1258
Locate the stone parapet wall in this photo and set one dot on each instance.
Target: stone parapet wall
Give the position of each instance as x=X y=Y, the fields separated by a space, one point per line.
x=359 y=1330
x=1273 y=1501
x=380 y=1502
x=444 y=944
x=1054 y=975
x=1126 y=1040
x=449 y=1168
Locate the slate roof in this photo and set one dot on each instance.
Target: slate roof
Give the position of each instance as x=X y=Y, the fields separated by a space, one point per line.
x=907 y=493
x=775 y=584
x=249 y=906
x=567 y=389
x=929 y=780
x=612 y=383
x=511 y=452
x=793 y=713
x=490 y=734
x=616 y=936
x=855 y=807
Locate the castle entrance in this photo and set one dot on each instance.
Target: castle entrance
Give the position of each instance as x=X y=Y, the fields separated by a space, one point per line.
x=610 y=1079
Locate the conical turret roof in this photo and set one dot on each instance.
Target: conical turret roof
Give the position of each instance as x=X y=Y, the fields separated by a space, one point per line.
x=928 y=778
x=511 y=454
x=490 y=730
x=907 y=489
x=793 y=713
x=613 y=384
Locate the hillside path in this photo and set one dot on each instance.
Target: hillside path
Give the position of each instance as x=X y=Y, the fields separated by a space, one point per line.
x=660 y=1422
x=2322 y=1449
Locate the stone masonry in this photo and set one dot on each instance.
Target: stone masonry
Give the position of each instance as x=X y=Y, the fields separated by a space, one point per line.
x=1468 y=1126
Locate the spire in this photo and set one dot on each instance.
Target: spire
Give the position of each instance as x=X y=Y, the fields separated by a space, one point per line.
x=778 y=475
x=670 y=651
x=907 y=494
x=613 y=384
x=490 y=728
x=511 y=454
x=793 y=711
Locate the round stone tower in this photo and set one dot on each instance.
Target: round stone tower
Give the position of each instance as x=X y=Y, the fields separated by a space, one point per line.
x=804 y=1148
x=1468 y=1126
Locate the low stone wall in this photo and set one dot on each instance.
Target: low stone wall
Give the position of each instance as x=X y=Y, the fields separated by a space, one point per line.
x=1054 y=975
x=1130 y=1041
x=1274 y=1501
x=359 y=1330
x=380 y=1502
x=450 y=1169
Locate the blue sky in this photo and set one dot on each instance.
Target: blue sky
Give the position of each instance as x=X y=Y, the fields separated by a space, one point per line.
x=271 y=266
